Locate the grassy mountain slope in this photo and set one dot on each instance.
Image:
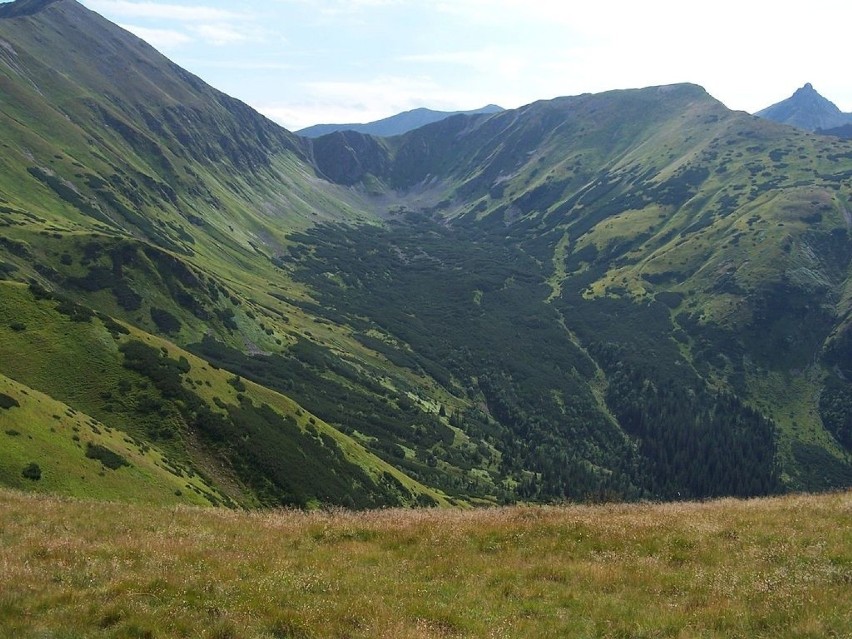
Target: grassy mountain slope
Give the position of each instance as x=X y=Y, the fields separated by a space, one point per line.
x=159 y=156
x=626 y=295
x=68 y=453
x=759 y=568
x=251 y=445
x=157 y=178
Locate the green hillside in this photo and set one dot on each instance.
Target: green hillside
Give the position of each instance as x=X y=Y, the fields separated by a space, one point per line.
x=635 y=294
x=176 y=423
x=50 y=447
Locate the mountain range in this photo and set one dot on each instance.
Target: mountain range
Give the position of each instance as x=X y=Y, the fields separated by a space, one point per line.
x=805 y=109
x=636 y=294
x=395 y=124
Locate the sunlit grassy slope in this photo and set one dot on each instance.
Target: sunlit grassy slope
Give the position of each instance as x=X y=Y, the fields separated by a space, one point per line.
x=771 y=568
x=171 y=452
x=56 y=438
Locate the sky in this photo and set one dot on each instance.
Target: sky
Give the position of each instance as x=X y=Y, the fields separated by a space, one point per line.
x=303 y=62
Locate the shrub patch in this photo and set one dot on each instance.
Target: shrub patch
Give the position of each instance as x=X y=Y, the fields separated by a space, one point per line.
x=108 y=458
x=8 y=402
x=31 y=471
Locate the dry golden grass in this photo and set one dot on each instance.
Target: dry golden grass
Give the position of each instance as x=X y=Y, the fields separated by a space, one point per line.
x=763 y=568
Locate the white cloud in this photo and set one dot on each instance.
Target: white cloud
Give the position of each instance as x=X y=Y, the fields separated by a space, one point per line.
x=366 y=101
x=507 y=62
x=160 y=11
x=240 y=65
x=219 y=34
x=472 y=58
x=162 y=39
x=169 y=26
x=170 y=39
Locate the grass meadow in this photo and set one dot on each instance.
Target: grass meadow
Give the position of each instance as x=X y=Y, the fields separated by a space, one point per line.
x=779 y=567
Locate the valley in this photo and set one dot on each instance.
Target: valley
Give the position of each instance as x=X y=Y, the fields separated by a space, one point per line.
x=631 y=295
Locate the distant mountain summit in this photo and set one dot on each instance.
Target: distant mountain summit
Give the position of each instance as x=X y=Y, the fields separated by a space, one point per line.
x=395 y=124
x=806 y=109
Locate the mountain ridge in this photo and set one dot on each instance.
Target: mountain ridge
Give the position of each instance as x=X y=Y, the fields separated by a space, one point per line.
x=396 y=124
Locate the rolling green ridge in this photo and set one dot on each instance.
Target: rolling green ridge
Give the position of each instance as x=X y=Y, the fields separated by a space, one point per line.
x=634 y=294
